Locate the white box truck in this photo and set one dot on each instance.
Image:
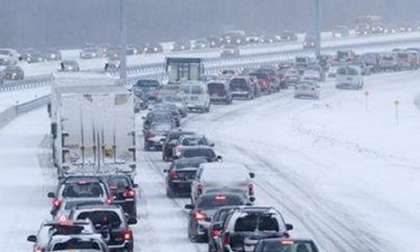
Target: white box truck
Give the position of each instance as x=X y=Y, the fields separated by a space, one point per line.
x=92 y=126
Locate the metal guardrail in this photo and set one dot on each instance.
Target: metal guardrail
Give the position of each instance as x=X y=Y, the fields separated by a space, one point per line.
x=29 y=82
x=12 y=112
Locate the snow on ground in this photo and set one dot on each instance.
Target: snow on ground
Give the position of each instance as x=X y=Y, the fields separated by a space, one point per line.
x=24 y=184
x=8 y=99
x=340 y=172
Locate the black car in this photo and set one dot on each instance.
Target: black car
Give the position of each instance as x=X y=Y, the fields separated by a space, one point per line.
x=123 y=193
x=282 y=245
x=204 y=209
x=170 y=143
x=219 y=218
x=158 y=117
x=180 y=175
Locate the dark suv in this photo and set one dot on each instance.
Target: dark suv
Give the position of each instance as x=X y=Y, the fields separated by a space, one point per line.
x=124 y=194
x=247 y=225
x=180 y=175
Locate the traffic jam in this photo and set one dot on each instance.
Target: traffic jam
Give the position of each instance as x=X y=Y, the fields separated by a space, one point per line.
x=95 y=140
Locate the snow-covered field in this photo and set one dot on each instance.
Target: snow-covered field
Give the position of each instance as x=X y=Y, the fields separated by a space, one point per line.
x=342 y=169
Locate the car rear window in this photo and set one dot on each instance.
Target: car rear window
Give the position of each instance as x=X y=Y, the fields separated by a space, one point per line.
x=207 y=153
x=102 y=218
x=194 y=141
x=147 y=84
x=76 y=244
x=188 y=164
x=83 y=190
x=287 y=246
x=117 y=183
x=256 y=222
x=216 y=201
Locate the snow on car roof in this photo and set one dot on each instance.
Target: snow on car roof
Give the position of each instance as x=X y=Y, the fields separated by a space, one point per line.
x=230 y=171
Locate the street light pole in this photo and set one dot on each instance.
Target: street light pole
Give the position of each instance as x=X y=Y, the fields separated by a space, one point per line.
x=123 y=42
x=318 y=28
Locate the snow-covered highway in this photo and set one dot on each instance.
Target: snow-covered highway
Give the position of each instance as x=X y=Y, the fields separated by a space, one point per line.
x=343 y=171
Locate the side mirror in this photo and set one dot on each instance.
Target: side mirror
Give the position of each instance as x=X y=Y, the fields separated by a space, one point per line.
x=135 y=185
x=165 y=170
x=219 y=158
x=189 y=206
x=212 y=145
x=289 y=227
x=143 y=117
x=51 y=195
x=252 y=199
x=32 y=238
x=252 y=175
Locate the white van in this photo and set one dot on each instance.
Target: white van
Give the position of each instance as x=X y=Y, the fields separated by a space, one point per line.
x=349 y=77
x=196 y=96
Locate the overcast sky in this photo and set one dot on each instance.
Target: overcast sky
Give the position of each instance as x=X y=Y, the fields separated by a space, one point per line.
x=62 y=23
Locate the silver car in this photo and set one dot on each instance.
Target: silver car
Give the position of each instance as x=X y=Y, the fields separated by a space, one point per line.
x=307 y=89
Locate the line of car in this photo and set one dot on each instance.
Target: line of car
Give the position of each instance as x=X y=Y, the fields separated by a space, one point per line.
x=222 y=211
x=90 y=213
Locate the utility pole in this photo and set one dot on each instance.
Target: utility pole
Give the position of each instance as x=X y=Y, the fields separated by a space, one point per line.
x=318 y=28
x=123 y=41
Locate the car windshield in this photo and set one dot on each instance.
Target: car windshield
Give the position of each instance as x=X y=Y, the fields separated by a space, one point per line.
x=4 y=52
x=199 y=152
x=76 y=245
x=101 y=218
x=83 y=190
x=288 y=246
x=216 y=201
x=175 y=99
x=256 y=222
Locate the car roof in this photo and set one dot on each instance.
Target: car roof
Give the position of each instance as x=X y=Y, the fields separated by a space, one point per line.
x=224 y=165
x=196 y=147
x=287 y=239
x=99 y=207
x=190 y=160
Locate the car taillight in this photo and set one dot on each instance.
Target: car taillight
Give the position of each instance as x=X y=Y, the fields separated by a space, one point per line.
x=199 y=188
x=39 y=249
x=109 y=200
x=128 y=235
x=199 y=216
x=226 y=240
x=130 y=193
x=251 y=190
x=57 y=203
x=216 y=233
x=173 y=175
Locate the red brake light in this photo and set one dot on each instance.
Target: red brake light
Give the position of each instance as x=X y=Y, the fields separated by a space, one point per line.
x=200 y=216
x=173 y=174
x=109 y=200
x=216 y=233
x=130 y=193
x=57 y=203
x=287 y=242
x=39 y=249
x=128 y=235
